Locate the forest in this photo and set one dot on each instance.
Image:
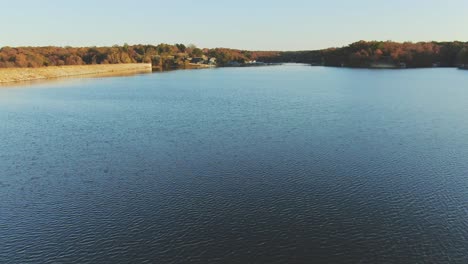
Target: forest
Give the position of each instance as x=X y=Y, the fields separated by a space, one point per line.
x=368 y=53
x=165 y=56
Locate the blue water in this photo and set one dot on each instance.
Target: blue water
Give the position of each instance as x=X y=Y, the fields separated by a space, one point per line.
x=285 y=164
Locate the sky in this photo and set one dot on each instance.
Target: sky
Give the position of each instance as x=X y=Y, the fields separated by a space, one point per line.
x=243 y=24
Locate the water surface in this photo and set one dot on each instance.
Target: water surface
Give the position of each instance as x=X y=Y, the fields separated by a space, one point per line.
x=287 y=164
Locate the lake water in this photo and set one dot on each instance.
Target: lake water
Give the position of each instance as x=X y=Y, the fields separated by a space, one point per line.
x=285 y=164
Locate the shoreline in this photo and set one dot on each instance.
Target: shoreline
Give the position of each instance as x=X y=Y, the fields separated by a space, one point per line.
x=387 y=68
x=18 y=75
x=12 y=76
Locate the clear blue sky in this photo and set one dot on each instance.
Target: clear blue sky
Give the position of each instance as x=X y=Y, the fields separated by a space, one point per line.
x=246 y=24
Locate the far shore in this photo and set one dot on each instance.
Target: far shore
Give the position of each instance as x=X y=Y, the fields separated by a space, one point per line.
x=13 y=75
x=18 y=75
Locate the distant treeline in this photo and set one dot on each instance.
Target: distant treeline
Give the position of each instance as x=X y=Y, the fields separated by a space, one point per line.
x=369 y=53
x=165 y=56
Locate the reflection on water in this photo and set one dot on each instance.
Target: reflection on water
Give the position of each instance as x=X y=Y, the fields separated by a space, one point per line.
x=254 y=165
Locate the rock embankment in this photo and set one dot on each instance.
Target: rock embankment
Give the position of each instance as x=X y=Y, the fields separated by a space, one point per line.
x=8 y=75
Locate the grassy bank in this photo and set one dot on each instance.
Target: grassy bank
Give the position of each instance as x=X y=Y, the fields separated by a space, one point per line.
x=8 y=75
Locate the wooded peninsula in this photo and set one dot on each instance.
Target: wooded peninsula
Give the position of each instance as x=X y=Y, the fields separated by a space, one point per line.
x=362 y=54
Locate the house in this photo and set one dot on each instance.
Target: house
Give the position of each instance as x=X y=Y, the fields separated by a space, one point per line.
x=212 y=61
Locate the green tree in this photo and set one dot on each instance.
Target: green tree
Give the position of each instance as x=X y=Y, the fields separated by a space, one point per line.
x=181 y=47
x=125 y=47
x=196 y=52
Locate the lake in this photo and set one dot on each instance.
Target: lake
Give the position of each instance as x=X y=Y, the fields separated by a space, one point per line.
x=283 y=164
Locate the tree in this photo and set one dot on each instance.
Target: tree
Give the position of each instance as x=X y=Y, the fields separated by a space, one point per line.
x=181 y=47
x=125 y=47
x=197 y=52
x=21 y=61
x=462 y=56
